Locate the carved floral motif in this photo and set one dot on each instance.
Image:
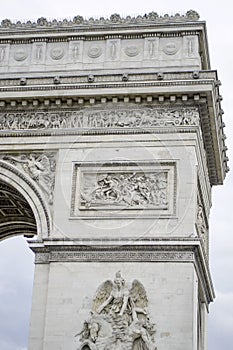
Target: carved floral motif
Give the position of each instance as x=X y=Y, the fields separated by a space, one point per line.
x=106 y=118
x=115 y=19
x=119 y=318
x=40 y=167
x=125 y=189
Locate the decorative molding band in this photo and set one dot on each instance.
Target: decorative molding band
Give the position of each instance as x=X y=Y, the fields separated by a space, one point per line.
x=125 y=252
x=120 y=256
x=192 y=252
x=102 y=85
x=100 y=78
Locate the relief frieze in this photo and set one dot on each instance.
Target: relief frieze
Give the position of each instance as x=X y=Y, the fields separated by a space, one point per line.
x=131 y=189
x=123 y=189
x=117 y=118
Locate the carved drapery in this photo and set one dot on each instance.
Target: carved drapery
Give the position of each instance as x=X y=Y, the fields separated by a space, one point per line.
x=119 y=118
x=39 y=166
x=123 y=189
x=119 y=318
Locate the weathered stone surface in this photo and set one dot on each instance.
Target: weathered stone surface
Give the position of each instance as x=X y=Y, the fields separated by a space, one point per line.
x=112 y=134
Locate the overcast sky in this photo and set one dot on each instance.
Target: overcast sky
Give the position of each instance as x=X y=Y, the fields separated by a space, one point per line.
x=16 y=261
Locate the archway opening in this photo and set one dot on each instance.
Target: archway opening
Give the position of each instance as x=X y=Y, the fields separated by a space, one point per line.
x=16 y=276
x=16 y=215
x=16 y=267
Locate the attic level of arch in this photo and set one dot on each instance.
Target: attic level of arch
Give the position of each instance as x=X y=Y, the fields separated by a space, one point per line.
x=183 y=46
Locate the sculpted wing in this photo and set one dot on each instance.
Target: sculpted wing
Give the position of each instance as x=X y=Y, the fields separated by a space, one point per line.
x=102 y=294
x=138 y=295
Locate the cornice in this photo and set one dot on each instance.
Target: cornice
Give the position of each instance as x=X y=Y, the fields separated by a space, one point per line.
x=52 y=79
x=116 y=84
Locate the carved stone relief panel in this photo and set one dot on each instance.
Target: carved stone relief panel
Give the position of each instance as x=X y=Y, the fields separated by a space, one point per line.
x=113 y=49
x=132 y=50
x=57 y=53
x=110 y=117
x=170 y=49
x=151 y=48
x=39 y=166
x=123 y=189
x=119 y=318
x=20 y=55
x=80 y=53
x=94 y=51
x=202 y=223
x=4 y=54
x=75 y=51
x=38 y=53
x=190 y=46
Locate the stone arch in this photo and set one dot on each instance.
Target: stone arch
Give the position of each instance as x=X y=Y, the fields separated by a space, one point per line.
x=15 y=185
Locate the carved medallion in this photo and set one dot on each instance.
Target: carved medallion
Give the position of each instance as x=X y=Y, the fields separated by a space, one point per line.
x=20 y=55
x=132 y=50
x=171 y=48
x=57 y=53
x=95 y=51
x=119 y=318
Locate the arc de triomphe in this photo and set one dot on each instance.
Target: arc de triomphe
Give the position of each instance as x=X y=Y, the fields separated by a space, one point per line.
x=111 y=140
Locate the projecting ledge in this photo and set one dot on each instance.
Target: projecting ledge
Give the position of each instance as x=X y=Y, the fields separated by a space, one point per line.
x=150 y=250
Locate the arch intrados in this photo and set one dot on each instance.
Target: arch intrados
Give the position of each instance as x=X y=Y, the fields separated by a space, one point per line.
x=15 y=178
